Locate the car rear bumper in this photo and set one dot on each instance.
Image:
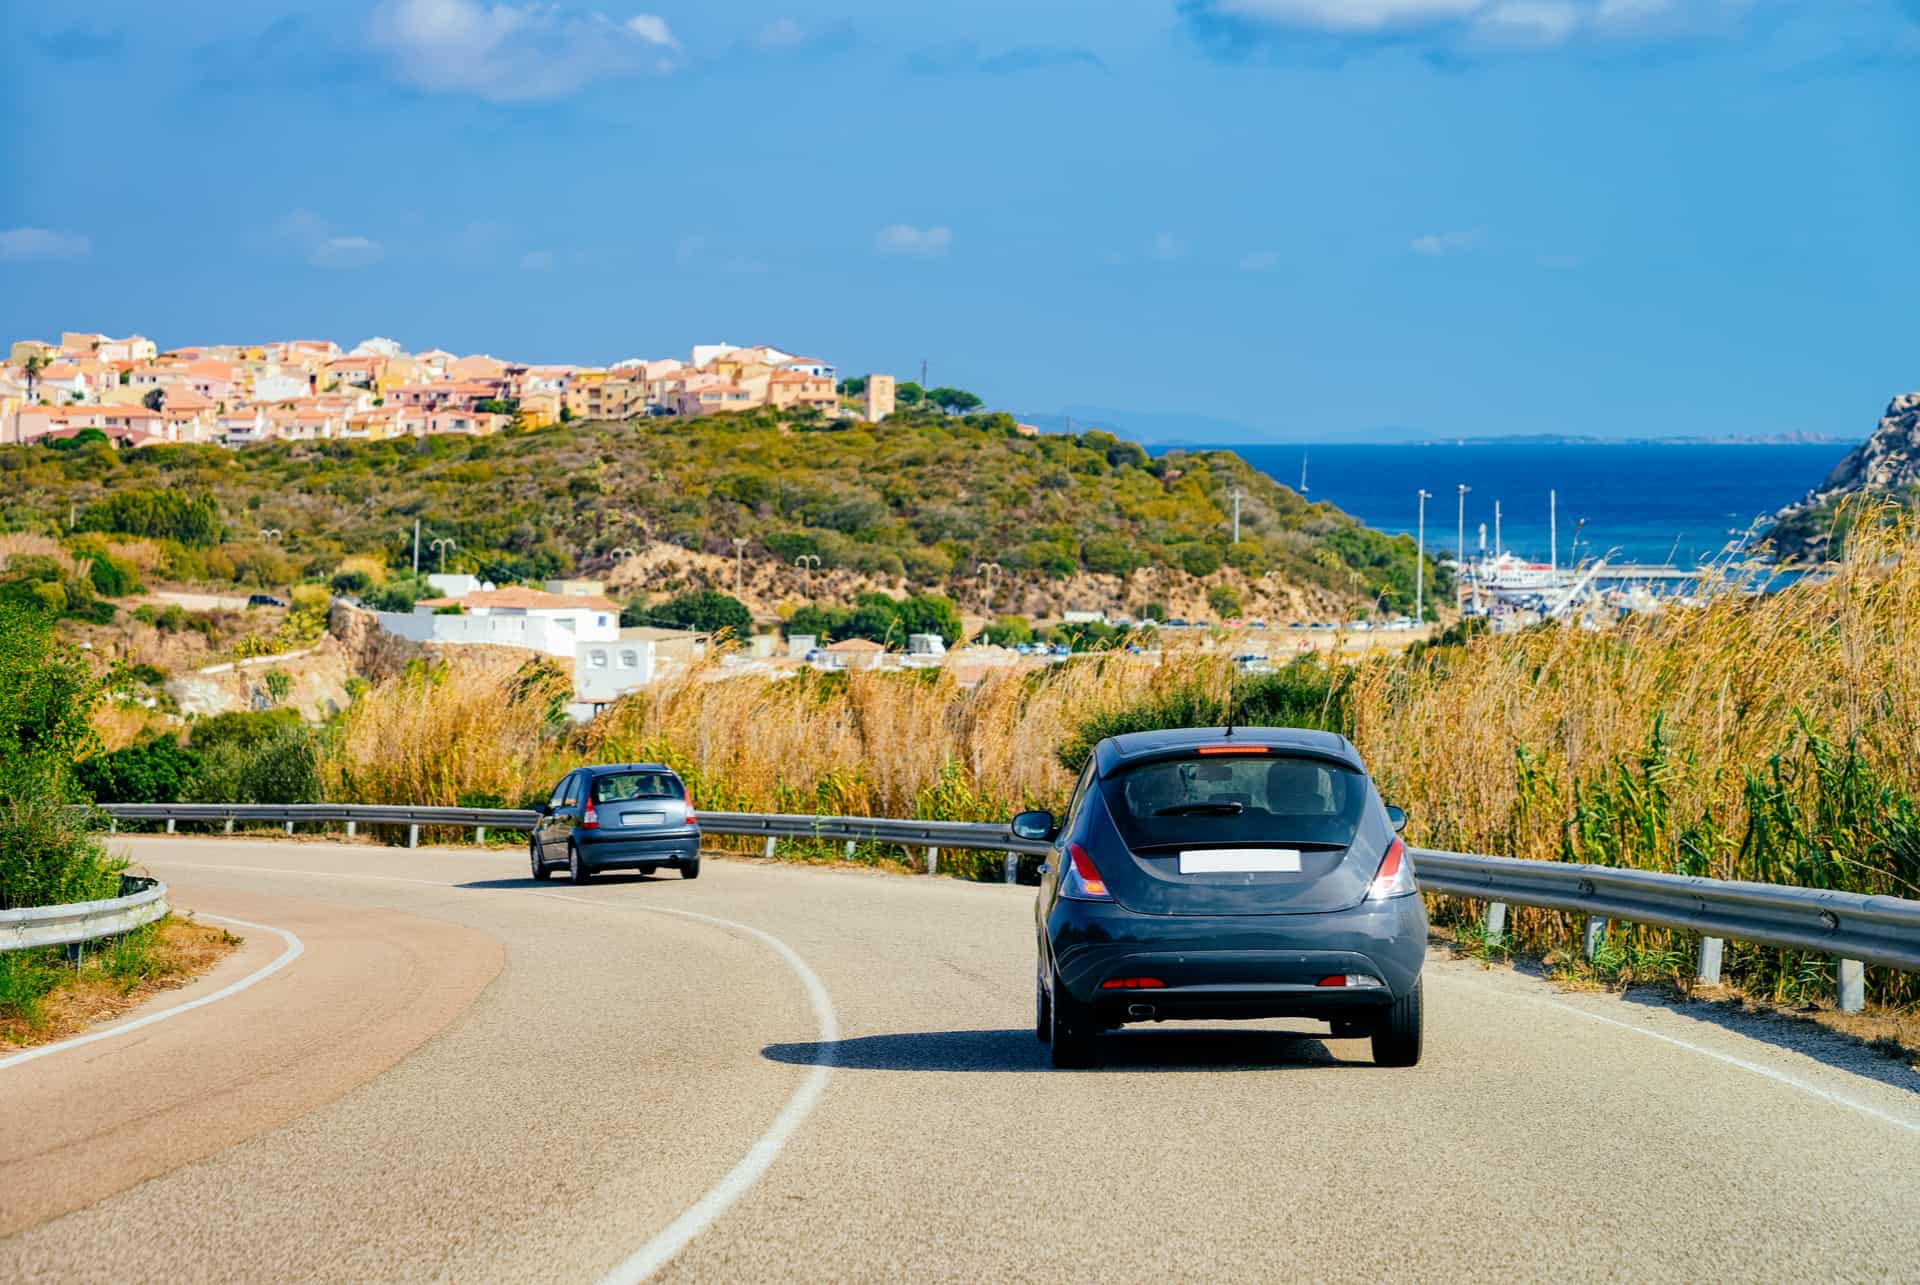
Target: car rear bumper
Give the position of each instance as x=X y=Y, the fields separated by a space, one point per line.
x=1243 y=966
x=608 y=850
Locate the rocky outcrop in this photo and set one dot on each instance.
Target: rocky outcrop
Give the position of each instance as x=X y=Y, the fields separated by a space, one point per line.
x=1887 y=463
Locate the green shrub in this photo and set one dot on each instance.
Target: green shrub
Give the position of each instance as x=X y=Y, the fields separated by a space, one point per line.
x=156 y=770
x=1224 y=600
x=160 y=514
x=707 y=610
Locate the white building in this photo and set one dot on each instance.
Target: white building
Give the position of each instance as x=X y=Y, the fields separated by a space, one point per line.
x=513 y=617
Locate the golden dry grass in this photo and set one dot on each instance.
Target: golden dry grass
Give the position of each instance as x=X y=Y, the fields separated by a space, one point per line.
x=102 y=987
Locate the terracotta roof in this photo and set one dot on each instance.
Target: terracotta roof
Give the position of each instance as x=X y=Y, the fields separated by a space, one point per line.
x=525 y=600
x=855 y=644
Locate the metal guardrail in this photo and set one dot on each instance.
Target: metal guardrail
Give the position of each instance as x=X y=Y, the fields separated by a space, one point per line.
x=1854 y=928
x=142 y=901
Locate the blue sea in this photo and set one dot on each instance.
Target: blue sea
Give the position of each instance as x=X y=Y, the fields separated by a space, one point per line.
x=1647 y=502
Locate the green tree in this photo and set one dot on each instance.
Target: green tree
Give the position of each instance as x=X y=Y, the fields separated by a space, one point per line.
x=853 y=386
x=908 y=393
x=165 y=515
x=707 y=610
x=1224 y=599
x=47 y=696
x=954 y=401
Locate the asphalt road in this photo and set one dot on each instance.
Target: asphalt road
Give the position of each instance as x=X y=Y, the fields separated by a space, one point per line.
x=776 y=1072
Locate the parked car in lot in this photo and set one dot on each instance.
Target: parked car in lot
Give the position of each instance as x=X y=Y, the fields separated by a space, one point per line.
x=263 y=600
x=625 y=816
x=1212 y=873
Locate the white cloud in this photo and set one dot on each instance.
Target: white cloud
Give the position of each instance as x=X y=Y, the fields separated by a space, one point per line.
x=323 y=245
x=1168 y=246
x=904 y=238
x=537 y=261
x=1259 y=261
x=781 y=33
x=1512 y=23
x=1350 y=15
x=23 y=245
x=1436 y=245
x=511 y=53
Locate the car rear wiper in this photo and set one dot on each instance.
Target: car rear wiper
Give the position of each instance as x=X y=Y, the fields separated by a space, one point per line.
x=1221 y=809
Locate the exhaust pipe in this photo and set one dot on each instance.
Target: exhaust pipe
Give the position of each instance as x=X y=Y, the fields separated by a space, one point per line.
x=1139 y=1010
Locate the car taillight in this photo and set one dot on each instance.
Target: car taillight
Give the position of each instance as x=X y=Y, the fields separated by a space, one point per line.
x=688 y=796
x=1395 y=876
x=590 y=819
x=1082 y=880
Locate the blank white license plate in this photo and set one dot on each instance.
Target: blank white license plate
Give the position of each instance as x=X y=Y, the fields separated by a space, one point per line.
x=1230 y=861
x=641 y=818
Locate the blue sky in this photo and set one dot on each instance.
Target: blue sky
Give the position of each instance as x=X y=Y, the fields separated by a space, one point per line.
x=1315 y=218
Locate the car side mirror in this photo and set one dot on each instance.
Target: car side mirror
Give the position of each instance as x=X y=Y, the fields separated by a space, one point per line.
x=1035 y=826
x=543 y=809
x=1397 y=818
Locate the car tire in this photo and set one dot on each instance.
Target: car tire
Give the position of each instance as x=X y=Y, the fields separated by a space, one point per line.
x=690 y=869
x=1042 y=1011
x=540 y=870
x=576 y=871
x=1071 y=1031
x=1396 y=1040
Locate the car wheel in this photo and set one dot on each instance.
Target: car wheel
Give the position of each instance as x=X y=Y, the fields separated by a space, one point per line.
x=575 y=870
x=1042 y=1011
x=690 y=869
x=540 y=870
x=1071 y=1030
x=1396 y=1041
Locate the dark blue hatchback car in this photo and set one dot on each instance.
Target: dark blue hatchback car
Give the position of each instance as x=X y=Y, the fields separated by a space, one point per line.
x=624 y=816
x=1210 y=873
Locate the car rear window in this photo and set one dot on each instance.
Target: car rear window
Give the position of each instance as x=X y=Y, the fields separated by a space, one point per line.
x=1251 y=798
x=617 y=787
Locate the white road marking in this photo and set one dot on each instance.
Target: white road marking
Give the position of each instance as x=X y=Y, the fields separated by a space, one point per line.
x=704 y=1212
x=1766 y=1072
x=295 y=948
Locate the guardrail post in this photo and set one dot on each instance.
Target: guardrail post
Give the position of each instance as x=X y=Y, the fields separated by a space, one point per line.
x=351 y=827
x=1708 y=973
x=480 y=836
x=229 y=825
x=1494 y=926
x=1853 y=986
x=850 y=847
x=1013 y=867
x=768 y=852
x=289 y=827
x=1594 y=938
x=413 y=836
x=113 y=824
x=169 y=825
x=933 y=860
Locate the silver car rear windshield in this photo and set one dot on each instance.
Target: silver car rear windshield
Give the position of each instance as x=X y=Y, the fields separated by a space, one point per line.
x=1251 y=798
x=617 y=787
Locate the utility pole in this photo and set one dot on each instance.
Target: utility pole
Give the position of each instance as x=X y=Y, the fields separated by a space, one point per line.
x=923 y=374
x=1460 y=551
x=1496 y=528
x=1236 y=515
x=1553 y=531
x=1420 y=562
x=739 y=561
x=416 y=547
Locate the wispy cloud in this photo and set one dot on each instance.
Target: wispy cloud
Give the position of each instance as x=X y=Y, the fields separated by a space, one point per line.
x=965 y=56
x=1436 y=245
x=1238 y=28
x=1167 y=246
x=514 y=53
x=81 y=42
x=906 y=239
x=537 y=261
x=323 y=245
x=27 y=245
x=792 y=38
x=1259 y=261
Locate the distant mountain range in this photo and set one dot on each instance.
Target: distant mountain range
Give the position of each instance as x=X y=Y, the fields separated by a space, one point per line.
x=1172 y=430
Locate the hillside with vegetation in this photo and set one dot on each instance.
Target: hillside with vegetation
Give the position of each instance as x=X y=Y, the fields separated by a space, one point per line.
x=916 y=503
x=1883 y=470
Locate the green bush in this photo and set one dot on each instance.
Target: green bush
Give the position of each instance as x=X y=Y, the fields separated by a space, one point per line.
x=165 y=515
x=156 y=770
x=1224 y=600
x=707 y=610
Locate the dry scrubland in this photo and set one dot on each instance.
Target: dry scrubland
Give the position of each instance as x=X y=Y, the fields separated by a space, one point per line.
x=1770 y=739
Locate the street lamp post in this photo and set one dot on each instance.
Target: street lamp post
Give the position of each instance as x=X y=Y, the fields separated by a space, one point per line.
x=809 y=563
x=270 y=533
x=441 y=546
x=740 y=543
x=987 y=571
x=1236 y=515
x=1420 y=563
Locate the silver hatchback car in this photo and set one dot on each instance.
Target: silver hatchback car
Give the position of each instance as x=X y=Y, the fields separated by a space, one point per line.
x=626 y=816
